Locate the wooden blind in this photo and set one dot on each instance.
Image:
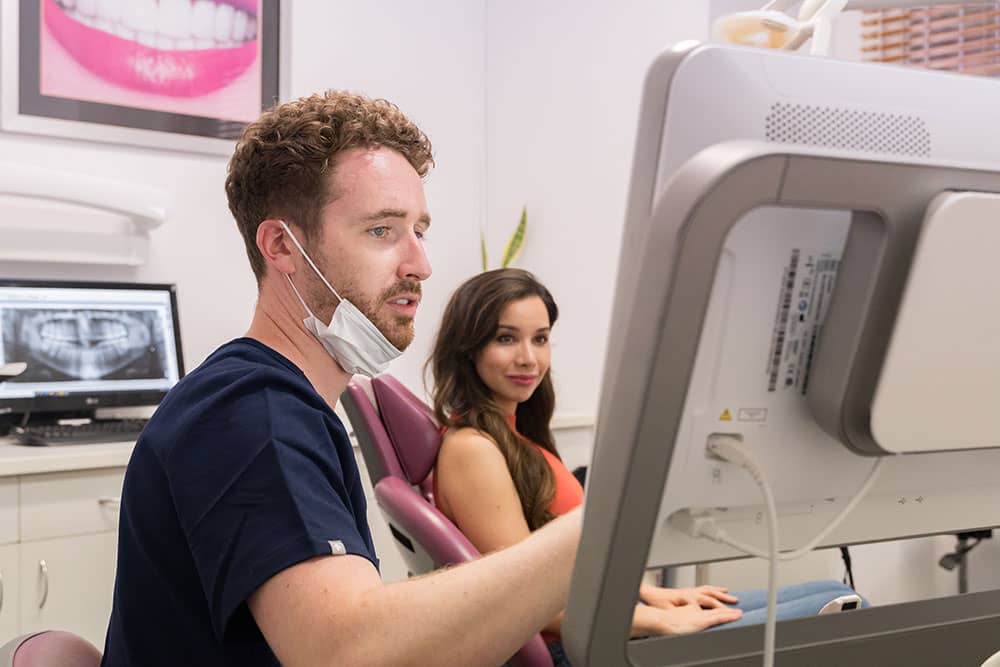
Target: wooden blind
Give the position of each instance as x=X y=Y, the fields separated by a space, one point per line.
x=960 y=38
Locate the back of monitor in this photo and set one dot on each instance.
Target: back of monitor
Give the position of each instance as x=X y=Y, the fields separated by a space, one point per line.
x=784 y=358
x=776 y=206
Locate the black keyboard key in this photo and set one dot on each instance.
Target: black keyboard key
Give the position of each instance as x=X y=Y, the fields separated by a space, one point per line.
x=107 y=430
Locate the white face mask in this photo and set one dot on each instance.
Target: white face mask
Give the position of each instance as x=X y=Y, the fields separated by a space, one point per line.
x=354 y=342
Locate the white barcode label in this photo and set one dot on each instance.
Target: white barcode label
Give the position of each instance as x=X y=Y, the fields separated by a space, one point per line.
x=803 y=301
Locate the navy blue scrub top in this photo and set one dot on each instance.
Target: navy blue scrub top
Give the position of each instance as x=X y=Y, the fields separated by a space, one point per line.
x=242 y=472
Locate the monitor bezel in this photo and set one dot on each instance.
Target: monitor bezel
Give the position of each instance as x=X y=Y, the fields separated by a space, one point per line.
x=91 y=401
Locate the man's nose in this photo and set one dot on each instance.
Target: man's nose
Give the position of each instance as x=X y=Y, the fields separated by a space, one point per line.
x=414 y=264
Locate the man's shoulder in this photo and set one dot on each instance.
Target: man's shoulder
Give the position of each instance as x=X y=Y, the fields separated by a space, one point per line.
x=240 y=369
x=246 y=354
x=241 y=390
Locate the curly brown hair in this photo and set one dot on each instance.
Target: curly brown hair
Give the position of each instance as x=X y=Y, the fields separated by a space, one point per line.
x=284 y=162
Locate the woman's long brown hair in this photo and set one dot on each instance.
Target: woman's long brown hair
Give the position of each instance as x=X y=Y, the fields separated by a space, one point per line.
x=462 y=399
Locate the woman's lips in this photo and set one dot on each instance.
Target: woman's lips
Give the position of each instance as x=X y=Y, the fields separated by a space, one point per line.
x=523 y=380
x=174 y=48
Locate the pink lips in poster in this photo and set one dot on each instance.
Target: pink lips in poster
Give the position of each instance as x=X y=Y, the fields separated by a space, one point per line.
x=177 y=48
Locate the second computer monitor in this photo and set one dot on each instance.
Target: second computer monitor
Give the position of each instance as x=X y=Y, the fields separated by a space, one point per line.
x=88 y=345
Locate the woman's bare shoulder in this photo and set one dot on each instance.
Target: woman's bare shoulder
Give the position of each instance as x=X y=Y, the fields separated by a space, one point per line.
x=467 y=445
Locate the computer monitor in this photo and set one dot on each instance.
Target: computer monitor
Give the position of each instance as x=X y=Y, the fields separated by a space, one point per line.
x=776 y=284
x=87 y=345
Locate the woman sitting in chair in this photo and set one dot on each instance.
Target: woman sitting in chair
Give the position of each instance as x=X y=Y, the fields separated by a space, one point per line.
x=498 y=474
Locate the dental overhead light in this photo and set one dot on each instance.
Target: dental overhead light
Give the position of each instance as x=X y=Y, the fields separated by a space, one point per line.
x=771 y=27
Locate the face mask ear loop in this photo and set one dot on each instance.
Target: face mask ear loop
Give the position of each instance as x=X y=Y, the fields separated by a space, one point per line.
x=297 y=295
x=309 y=260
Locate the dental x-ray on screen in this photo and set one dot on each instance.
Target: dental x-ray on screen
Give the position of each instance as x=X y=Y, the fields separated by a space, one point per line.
x=87 y=344
x=84 y=344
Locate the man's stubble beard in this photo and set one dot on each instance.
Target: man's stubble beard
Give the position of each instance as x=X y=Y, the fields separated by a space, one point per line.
x=398 y=330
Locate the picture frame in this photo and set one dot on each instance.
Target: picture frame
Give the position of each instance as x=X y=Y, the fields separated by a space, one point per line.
x=182 y=75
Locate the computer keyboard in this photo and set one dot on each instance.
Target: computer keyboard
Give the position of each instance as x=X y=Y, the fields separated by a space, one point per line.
x=103 y=430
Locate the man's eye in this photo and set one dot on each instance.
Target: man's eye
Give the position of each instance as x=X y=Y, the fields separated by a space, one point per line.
x=379 y=232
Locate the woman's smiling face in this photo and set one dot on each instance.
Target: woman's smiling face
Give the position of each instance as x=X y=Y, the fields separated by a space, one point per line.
x=514 y=362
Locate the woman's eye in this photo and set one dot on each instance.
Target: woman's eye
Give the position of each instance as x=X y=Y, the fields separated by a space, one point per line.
x=541 y=340
x=505 y=338
x=379 y=232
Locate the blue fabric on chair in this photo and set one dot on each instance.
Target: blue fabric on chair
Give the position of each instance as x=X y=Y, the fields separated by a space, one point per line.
x=794 y=601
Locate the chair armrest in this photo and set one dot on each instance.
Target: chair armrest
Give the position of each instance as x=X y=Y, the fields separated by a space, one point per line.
x=423 y=522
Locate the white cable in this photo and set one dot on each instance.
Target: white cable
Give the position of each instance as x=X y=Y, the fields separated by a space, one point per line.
x=725 y=447
x=731 y=449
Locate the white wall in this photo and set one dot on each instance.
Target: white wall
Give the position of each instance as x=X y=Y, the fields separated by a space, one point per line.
x=564 y=80
x=428 y=58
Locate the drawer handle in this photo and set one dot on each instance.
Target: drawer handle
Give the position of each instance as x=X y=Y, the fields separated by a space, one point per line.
x=110 y=501
x=1 y=591
x=43 y=569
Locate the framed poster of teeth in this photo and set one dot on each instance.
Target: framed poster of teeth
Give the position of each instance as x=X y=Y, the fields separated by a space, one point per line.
x=175 y=74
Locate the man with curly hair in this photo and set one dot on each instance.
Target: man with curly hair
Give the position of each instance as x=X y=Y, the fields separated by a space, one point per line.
x=243 y=536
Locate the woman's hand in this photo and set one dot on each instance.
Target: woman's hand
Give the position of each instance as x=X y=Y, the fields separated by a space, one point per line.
x=704 y=597
x=679 y=620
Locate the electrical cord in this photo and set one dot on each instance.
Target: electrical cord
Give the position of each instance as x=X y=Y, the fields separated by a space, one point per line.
x=730 y=448
x=848 y=579
x=722 y=446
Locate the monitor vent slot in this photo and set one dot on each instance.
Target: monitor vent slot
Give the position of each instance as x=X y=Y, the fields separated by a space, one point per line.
x=851 y=129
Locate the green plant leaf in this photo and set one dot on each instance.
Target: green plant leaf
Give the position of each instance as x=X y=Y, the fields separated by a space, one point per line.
x=482 y=243
x=516 y=241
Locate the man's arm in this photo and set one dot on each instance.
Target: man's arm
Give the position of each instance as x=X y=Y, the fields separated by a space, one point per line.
x=334 y=610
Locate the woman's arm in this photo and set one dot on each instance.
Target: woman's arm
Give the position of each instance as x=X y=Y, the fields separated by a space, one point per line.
x=475 y=490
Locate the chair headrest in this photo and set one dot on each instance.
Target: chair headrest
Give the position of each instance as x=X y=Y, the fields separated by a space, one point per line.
x=410 y=424
x=376 y=446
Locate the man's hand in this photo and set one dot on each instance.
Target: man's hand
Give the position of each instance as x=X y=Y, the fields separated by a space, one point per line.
x=705 y=597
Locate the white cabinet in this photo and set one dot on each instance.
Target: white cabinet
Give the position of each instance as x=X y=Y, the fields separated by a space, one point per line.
x=9 y=592
x=67 y=584
x=70 y=503
x=58 y=544
x=9 y=585
x=68 y=528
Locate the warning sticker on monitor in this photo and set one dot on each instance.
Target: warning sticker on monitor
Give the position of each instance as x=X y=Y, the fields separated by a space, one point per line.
x=803 y=300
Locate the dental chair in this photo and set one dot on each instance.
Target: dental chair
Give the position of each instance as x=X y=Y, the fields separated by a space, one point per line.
x=50 y=648
x=399 y=440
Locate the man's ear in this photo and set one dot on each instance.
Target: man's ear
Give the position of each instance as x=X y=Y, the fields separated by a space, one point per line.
x=277 y=248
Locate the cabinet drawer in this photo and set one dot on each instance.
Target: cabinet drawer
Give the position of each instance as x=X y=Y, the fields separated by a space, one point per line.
x=70 y=503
